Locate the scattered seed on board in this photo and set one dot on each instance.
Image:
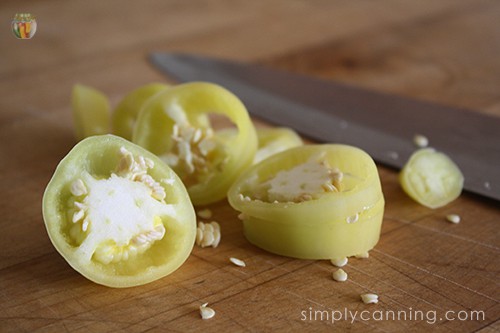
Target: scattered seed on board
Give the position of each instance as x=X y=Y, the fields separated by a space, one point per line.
x=420 y=141
x=208 y=234
x=369 y=298
x=206 y=312
x=363 y=255
x=453 y=218
x=205 y=213
x=339 y=275
x=339 y=262
x=237 y=262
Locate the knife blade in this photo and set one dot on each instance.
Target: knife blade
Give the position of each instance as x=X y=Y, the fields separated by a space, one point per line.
x=384 y=125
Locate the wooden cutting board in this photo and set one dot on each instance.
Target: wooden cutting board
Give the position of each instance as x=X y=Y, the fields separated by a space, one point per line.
x=441 y=276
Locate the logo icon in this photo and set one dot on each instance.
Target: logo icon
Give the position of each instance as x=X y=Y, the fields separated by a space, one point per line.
x=24 y=26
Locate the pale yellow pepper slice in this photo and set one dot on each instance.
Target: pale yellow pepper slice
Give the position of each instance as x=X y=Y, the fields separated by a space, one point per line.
x=127 y=111
x=326 y=223
x=431 y=178
x=91 y=111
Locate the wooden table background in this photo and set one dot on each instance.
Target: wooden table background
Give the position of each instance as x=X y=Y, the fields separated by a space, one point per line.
x=444 y=51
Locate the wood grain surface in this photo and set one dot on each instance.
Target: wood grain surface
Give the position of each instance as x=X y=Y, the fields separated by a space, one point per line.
x=443 y=51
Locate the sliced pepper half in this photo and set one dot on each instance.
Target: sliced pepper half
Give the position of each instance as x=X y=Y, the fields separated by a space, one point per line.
x=117 y=214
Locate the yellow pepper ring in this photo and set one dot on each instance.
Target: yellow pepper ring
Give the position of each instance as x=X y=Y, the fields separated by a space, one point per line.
x=336 y=224
x=197 y=100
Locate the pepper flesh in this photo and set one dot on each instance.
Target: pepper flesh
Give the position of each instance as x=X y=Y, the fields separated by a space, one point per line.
x=324 y=225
